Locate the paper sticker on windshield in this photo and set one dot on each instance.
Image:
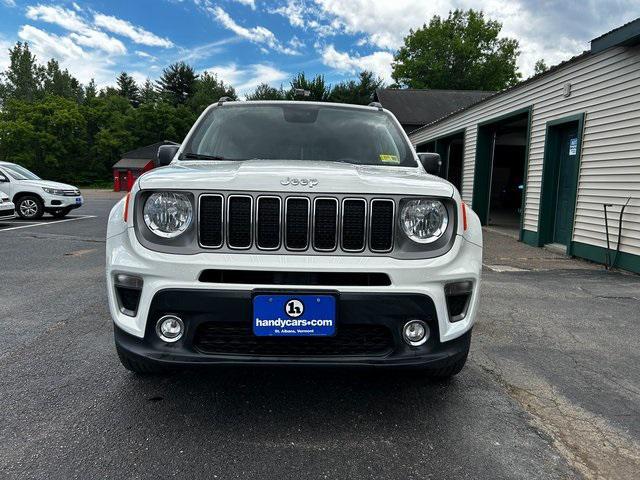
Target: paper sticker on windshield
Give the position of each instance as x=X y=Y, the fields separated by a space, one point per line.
x=389 y=159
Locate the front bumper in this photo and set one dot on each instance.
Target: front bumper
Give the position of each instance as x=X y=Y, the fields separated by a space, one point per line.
x=205 y=311
x=58 y=202
x=410 y=279
x=7 y=211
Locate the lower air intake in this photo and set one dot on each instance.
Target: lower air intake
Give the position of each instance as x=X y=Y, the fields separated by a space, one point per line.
x=237 y=338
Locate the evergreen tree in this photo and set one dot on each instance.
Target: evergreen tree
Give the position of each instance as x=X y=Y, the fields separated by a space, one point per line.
x=61 y=83
x=177 y=83
x=266 y=92
x=24 y=77
x=318 y=90
x=208 y=89
x=148 y=92
x=90 y=91
x=128 y=88
x=358 y=92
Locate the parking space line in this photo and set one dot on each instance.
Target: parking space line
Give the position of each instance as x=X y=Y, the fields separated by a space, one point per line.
x=84 y=217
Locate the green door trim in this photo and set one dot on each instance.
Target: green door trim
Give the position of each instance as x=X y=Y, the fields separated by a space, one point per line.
x=526 y=171
x=454 y=133
x=439 y=148
x=480 y=203
x=546 y=191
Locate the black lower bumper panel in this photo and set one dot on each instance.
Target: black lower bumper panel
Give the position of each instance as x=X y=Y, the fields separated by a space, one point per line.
x=218 y=330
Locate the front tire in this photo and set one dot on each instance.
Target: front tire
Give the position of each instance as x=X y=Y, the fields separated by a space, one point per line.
x=30 y=207
x=139 y=365
x=61 y=213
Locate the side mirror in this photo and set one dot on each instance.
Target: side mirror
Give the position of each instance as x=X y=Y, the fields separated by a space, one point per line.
x=3 y=179
x=166 y=154
x=431 y=162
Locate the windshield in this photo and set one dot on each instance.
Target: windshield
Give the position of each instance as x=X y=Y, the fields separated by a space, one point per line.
x=20 y=173
x=299 y=132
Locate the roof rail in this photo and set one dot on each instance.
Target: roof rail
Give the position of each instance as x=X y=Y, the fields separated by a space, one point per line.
x=224 y=99
x=377 y=105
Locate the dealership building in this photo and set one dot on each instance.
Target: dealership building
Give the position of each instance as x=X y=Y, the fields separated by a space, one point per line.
x=543 y=159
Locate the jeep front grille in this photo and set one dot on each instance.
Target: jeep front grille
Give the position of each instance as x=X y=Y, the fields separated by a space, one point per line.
x=239 y=221
x=296 y=223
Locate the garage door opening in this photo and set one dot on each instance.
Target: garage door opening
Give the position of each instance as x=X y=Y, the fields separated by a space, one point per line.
x=451 y=150
x=501 y=171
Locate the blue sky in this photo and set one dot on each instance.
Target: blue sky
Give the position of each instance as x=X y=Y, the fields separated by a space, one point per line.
x=246 y=42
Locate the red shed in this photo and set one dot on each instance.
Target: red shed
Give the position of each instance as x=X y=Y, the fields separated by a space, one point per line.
x=133 y=164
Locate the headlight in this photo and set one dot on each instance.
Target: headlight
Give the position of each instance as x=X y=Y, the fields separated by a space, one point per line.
x=424 y=220
x=168 y=214
x=54 y=191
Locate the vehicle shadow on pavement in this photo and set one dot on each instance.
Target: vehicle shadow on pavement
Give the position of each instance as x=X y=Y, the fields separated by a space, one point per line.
x=329 y=402
x=333 y=398
x=373 y=423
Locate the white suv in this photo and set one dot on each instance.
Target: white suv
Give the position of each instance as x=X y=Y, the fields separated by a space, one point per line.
x=7 y=208
x=293 y=233
x=33 y=196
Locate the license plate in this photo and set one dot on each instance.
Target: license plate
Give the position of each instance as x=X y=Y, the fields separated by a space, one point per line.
x=294 y=315
x=79 y=200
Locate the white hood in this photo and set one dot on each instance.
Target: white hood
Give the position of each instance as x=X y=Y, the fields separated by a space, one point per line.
x=272 y=175
x=47 y=184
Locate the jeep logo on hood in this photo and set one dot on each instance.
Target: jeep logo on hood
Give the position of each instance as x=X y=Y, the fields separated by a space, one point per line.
x=305 y=182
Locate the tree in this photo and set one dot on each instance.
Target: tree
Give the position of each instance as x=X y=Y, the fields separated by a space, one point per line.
x=540 y=67
x=358 y=92
x=90 y=91
x=61 y=83
x=264 y=91
x=317 y=88
x=208 y=89
x=148 y=92
x=47 y=136
x=462 y=51
x=128 y=88
x=23 y=78
x=177 y=83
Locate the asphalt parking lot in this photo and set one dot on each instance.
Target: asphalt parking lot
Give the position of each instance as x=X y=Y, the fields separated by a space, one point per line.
x=551 y=390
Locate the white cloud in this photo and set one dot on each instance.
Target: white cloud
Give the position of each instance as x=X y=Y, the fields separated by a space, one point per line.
x=555 y=33
x=82 y=33
x=378 y=62
x=293 y=10
x=386 y=23
x=200 y=52
x=146 y=55
x=259 y=35
x=9 y=3
x=4 y=57
x=67 y=19
x=127 y=29
x=245 y=79
x=53 y=45
x=296 y=43
x=83 y=64
x=248 y=3
x=139 y=77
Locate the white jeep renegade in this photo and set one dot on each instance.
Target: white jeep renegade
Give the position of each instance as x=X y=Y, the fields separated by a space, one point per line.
x=293 y=233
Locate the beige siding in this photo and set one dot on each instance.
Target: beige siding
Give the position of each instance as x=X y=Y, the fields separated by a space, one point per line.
x=606 y=87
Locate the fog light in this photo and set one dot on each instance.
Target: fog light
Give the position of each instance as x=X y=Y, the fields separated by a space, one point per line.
x=170 y=328
x=416 y=332
x=127 y=281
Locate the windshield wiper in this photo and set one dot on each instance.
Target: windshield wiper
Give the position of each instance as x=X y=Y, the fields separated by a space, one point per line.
x=200 y=156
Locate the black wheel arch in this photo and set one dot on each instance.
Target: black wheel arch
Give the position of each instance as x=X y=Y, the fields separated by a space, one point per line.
x=19 y=195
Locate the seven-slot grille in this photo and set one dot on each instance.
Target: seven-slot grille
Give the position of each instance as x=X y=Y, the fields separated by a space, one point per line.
x=296 y=223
